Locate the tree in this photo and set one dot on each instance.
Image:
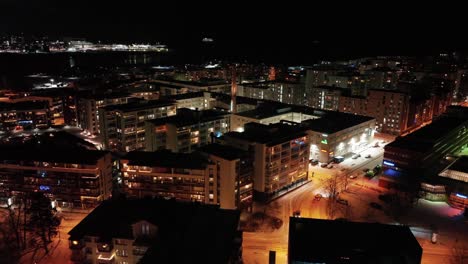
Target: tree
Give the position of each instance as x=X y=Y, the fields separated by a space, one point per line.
x=331 y=186
x=43 y=219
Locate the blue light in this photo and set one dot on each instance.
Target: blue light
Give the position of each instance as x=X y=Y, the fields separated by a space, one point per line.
x=218 y=134
x=388 y=163
x=44 y=188
x=462 y=196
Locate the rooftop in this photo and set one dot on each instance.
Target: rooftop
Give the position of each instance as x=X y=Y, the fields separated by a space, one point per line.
x=141 y=105
x=187 y=232
x=425 y=138
x=166 y=159
x=185 y=96
x=334 y=122
x=186 y=117
x=335 y=241
x=50 y=154
x=266 y=111
x=223 y=151
x=22 y=106
x=271 y=135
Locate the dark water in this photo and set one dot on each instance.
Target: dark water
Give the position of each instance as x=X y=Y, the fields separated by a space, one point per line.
x=13 y=67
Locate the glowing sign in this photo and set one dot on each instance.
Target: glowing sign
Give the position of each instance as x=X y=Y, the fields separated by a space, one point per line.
x=324 y=141
x=388 y=163
x=44 y=188
x=462 y=196
x=218 y=134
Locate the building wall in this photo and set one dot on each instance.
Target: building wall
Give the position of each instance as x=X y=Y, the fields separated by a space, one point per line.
x=179 y=183
x=71 y=185
x=324 y=147
x=125 y=131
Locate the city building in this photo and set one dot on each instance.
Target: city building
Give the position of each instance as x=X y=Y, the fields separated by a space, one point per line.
x=454 y=180
x=123 y=126
x=234 y=172
x=70 y=177
x=338 y=134
x=327 y=241
x=24 y=115
x=172 y=87
x=419 y=156
x=183 y=176
x=156 y=231
x=88 y=106
x=271 y=113
x=390 y=108
x=194 y=100
x=326 y=97
x=185 y=131
x=280 y=153
x=280 y=91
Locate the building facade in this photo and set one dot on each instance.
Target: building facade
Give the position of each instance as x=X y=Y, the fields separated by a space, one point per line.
x=72 y=178
x=186 y=131
x=123 y=126
x=281 y=156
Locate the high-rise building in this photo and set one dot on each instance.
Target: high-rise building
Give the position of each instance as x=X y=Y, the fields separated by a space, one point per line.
x=280 y=153
x=123 y=126
x=185 y=131
x=88 y=114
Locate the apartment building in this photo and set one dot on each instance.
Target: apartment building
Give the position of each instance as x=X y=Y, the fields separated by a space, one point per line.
x=71 y=177
x=281 y=156
x=88 y=109
x=24 y=115
x=123 y=126
x=156 y=231
x=185 y=131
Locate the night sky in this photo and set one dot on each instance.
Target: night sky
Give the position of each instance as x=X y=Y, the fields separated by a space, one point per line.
x=241 y=28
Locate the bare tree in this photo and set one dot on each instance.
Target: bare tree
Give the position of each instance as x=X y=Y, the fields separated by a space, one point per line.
x=331 y=186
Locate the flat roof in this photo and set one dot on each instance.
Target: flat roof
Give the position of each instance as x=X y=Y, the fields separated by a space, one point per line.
x=166 y=159
x=424 y=138
x=265 y=112
x=185 y=96
x=334 y=122
x=270 y=135
x=24 y=106
x=223 y=151
x=186 y=117
x=186 y=232
x=50 y=154
x=329 y=241
x=140 y=105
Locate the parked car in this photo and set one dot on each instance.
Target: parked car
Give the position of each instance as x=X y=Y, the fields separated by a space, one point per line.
x=323 y=165
x=365 y=170
x=356 y=156
x=375 y=205
x=318 y=197
x=330 y=166
x=368 y=156
x=338 y=159
x=314 y=162
x=297 y=213
x=353 y=176
x=342 y=201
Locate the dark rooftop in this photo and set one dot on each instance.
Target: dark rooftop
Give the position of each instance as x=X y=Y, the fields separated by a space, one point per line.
x=186 y=232
x=333 y=122
x=332 y=241
x=141 y=105
x=425 y=138
x=50 y=154
x=461 y=164
x=223 y=151
x=265 y=112
x=271 y=135
x=166 y=159
x=185 y=117
x=24 y=106
x=185 y=96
